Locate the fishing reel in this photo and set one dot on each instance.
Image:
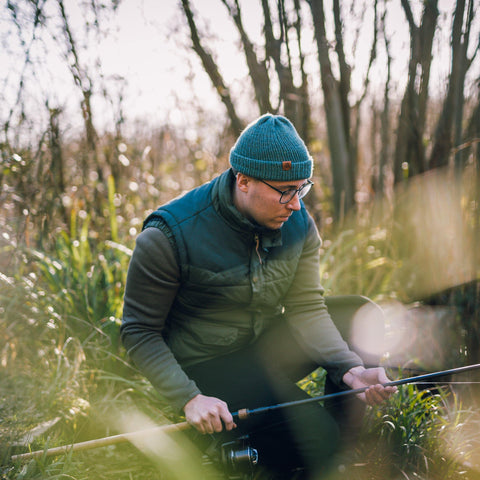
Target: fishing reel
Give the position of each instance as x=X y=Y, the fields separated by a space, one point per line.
x=238 y=458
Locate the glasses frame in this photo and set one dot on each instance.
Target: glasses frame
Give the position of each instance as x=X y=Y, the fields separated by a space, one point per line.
x=291 y=192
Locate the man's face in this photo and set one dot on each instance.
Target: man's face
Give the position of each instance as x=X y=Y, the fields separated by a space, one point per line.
x=261 y=203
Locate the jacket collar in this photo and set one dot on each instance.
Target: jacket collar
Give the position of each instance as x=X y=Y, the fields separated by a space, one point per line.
x=222 y=198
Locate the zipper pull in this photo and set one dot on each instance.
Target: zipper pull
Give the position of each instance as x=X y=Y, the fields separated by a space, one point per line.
x=257 y=247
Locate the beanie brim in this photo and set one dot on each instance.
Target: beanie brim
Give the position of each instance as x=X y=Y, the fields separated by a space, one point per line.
x=270 y=170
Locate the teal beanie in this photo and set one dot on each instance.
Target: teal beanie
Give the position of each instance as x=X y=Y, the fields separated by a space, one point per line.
x=271 y=149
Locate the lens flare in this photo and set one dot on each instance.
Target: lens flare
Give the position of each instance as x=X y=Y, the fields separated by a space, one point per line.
x=173 y=452
x=435 y=242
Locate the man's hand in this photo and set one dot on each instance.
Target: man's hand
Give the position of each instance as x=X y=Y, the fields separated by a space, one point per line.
x=360 y=377
x=206 y=414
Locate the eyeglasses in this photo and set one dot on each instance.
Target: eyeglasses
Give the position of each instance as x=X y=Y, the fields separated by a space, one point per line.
x=287 y=195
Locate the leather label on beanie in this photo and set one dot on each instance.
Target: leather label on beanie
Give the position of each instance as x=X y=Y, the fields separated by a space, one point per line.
x=287 y=165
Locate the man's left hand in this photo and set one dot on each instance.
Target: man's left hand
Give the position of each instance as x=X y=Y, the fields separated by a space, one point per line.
x=373 y=378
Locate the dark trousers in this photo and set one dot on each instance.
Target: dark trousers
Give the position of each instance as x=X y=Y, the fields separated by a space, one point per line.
x=265 y=374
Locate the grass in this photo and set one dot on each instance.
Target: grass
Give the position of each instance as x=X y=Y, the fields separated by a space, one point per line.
x=65 y=377
x=423 y=434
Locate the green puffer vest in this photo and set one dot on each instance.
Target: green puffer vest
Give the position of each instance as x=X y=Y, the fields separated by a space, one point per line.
x=233 y=274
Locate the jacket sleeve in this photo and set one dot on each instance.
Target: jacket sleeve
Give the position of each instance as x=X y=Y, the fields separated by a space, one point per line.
x=308 y=316
x=152 y=283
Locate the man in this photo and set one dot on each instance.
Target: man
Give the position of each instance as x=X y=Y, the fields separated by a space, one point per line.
x=224 y=309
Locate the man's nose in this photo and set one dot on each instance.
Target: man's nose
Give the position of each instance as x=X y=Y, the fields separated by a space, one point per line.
x=294 y=203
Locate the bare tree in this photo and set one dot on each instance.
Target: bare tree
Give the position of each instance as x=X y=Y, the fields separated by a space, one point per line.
x=273 y=50
x=303 y=118
x=338 y=137
x=257 y=69
x=409 y=148
x=212 y=70
x=356 y=110
x=37 y=20
x=292 y=99
x=46 y=167
x=280 y=29
x=449 y=127
x=385 y=153
x=84 y=81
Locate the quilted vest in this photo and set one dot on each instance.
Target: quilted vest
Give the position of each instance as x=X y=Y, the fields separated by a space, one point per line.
x=233 y=274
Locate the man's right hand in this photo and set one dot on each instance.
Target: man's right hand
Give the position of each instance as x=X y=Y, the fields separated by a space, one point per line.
x=206 y=414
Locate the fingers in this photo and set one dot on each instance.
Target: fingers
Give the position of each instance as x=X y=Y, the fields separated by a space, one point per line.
x=210 y=421
x=208 y=414
x=376 y=394
x=382 y=377
x=228 y=421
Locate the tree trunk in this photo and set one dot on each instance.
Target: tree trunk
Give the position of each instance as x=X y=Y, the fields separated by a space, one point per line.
x=449 y=127
x=56 y=166
x=385 y=153
x=476 y=234
x=345 y=70
x=273 y=48
x=343 y=195
x=461 y=157
x=354 y=125
x=409 y=151
x=303 y=118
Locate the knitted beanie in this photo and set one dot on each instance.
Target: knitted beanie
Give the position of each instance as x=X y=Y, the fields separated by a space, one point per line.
x=271 y=149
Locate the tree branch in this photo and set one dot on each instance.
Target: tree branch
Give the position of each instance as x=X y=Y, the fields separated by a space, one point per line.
x=257 y=70
x=212 y=70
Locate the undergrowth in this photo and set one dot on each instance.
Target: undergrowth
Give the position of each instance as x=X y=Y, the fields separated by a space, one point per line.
x=65 y=377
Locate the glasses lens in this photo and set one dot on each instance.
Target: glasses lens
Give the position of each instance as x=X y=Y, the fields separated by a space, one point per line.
x=288 y=195
x=304 y=189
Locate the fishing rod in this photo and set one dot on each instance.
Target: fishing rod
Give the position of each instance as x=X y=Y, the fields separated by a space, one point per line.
x=241 y=414
x=245 y=413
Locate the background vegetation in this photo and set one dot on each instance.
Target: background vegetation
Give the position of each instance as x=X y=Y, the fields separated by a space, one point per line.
x=397 y=174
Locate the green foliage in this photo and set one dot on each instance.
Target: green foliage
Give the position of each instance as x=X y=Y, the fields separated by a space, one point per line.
x=418 y=434
x=83 y=284
x=406 y=426
x=313 y=384
x=360 y=260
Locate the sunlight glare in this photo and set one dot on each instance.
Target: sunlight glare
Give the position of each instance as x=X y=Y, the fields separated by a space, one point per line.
x=171 y=450
x=367 y=334
x=435 y=243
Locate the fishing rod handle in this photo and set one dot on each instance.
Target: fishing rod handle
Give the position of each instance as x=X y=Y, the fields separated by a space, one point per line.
x=102 y=442
x=242 y=414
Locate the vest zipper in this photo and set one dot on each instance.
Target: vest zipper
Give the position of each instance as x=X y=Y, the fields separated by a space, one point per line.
x=257 y=246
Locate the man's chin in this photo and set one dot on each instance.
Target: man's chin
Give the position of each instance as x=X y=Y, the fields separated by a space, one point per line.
x=276 y=225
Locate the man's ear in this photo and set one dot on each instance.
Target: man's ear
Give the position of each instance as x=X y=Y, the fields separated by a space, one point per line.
x=243 y=182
